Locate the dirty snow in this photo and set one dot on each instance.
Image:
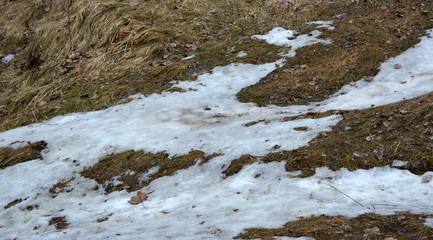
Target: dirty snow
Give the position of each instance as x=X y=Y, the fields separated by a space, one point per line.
x=198 y=203
x=6 y=59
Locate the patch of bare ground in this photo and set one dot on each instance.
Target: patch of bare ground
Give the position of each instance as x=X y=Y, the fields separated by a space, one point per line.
x=59 y=222
x=367 y=226
x=365 y=139
x=10 y=156
x=131 y=168
x=365 y=35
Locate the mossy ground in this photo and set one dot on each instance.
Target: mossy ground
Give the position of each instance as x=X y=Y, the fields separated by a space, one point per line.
x=367 y=226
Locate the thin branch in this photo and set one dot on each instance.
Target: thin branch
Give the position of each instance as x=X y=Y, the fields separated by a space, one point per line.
x=345 y=195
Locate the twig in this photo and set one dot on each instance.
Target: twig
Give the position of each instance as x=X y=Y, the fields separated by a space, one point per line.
x=345 y=194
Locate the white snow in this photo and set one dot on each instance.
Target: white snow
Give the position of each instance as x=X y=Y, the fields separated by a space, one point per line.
x=241 y=54
x=198 y=203
x=429 y=222
x=322 y=24
x=399 y=163
x=282 y=37
x=189 y=57
x=390 y=85
x=6 y=59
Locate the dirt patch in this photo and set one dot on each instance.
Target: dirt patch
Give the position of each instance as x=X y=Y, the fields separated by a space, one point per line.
x=131 y=170
x=365 y=139
x=61 y=187
x=237 y=165
x=10 y=156
x=59 y=222
x=366 y=226
x=13 y=203
x=365 y=35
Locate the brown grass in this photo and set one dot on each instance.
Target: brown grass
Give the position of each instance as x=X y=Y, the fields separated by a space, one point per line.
x=10 y=156
x=399 y=131
x=368 y=34
x=84 y=55
x=367 y=226
x=129 y=166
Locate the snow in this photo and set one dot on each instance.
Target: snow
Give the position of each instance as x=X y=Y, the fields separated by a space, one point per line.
x=6 y=59
x=189 y=57
x=322 y=24
x=429 y=222
x=390 y=85
x=399 y=163
x=241 y=54
x=282 y=37
x=198 y=203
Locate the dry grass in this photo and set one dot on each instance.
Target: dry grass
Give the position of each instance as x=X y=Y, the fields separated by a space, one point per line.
x=84 y=55
x=10 y=156
x=399 y=131
x=130 y=166
x=367 y=226
x=366 y=35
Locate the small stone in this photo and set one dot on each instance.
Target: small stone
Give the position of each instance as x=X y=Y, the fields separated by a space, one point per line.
x=397 y=66
x=427 y=178
x=369 y=79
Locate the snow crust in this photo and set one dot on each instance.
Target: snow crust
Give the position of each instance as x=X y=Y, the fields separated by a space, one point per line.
x=198 y=203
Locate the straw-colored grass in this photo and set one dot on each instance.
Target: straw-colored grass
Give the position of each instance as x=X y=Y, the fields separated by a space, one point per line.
x=84 y=55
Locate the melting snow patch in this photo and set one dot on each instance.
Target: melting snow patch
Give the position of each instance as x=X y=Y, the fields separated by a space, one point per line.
x=6 y=59
x=280 y=36
x=369 y=138
x=198 y=202
x=429 y=222
x=241 y=54
x=189 y=57
x=391 y=85
x=399 y=163
x=322 y=24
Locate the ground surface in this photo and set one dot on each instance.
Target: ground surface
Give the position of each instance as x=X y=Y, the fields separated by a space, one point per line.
x=89 y=55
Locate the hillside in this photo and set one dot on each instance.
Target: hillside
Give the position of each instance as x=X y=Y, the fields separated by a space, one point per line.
x=188 y=119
